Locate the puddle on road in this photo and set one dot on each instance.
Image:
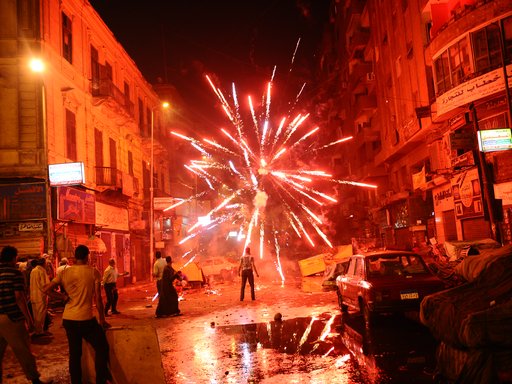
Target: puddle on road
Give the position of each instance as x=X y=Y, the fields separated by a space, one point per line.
x=328 y=348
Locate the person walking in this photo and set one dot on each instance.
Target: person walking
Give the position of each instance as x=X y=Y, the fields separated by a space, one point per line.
x=39 y=300
x=82 y=284
x=13 y=315
x=158 y=270
x=245 y=270
x=110 y=276
x=168 y=300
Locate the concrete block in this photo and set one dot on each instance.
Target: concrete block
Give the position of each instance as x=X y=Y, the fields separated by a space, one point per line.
x=134 y=356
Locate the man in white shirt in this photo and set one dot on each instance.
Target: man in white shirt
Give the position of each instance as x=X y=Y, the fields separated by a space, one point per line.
x=82 y=284
x=110 y=276
x=158 y=270
x=245 y=270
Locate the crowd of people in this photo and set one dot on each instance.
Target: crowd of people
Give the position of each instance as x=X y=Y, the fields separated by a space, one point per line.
x=26 y=286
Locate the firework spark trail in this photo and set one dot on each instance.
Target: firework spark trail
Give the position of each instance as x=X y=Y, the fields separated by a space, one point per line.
x=256 y=166
x=294 y=53
x=278 y=257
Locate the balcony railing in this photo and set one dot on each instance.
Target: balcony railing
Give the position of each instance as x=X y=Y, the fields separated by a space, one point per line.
x=109 y=177
x=106 y=88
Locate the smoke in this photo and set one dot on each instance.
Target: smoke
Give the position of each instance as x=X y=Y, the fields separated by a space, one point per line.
x=260 y=200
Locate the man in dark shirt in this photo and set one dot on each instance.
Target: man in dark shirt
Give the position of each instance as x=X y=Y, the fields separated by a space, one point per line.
x=13 y=313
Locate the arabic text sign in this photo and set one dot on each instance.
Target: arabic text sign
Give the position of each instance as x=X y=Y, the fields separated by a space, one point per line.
x=494 y=140
x=66 y=173
x=474 y=89
x=30 y=227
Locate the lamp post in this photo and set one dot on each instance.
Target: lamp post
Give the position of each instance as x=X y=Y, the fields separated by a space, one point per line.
x=164 y=105
x=38 y=66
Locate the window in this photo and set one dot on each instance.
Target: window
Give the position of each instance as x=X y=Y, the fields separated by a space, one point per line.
x=71 y=150
x=141 y=116
x=126 y=94
x=486 y=48
x=130 y=163
x=460 y=66
x=67 y=40
x=108 y=71
x=98 y=147
x=507 y=33
x=113 y=153
x=95 y=70
x=442 y=72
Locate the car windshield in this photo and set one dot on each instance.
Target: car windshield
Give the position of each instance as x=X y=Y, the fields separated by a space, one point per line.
x=395 y=265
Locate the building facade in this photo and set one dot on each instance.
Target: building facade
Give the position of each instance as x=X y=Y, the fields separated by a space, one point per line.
x=90 y=109
x=414 y=81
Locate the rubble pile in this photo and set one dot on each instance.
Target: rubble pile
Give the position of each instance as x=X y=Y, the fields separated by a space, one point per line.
x=473 y=321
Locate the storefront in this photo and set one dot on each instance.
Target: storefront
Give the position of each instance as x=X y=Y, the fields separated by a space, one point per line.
x=113 y=229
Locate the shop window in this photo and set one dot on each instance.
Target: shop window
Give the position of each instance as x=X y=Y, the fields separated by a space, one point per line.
x=67 y=38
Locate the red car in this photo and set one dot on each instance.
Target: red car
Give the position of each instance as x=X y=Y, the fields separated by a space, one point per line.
x=385 y=281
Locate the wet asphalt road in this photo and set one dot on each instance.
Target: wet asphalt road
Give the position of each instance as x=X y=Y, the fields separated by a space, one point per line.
x=222 y=340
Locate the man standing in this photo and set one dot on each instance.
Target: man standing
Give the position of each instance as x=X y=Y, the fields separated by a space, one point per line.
x=158 y=271
x=82 y=284
x=110 y=276
x=246 y=271
x=38 y=280
x=13 y=314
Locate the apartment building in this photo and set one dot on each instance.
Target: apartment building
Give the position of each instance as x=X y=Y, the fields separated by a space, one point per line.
x=416 y=80
x=77 y=138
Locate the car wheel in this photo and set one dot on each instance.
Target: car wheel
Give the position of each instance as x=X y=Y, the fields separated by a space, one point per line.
x=343 y=307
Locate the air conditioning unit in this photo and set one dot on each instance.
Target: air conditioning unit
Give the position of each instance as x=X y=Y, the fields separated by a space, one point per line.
x=370 y=76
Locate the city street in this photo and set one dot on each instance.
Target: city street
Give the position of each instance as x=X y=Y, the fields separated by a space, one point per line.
x=222 y=340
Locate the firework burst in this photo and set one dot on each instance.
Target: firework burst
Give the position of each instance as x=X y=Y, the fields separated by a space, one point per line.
x=258 y=171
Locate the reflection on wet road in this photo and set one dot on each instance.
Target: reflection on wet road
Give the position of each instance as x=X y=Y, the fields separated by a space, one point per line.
x=328 y=348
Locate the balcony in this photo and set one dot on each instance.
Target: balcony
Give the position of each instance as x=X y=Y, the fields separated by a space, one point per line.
x=358 y=41
x=109 y=178
x=365 y=105
x=106 y=90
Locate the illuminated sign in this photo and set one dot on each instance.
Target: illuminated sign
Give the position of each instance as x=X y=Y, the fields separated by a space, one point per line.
x=494 y=140
x=66 y=174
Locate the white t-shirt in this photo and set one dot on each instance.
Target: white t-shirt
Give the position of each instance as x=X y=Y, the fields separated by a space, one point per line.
x=158 y=268
x=78 y=282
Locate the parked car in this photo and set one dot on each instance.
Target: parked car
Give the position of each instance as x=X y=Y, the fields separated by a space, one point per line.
x=385 y=282
x=332 y=272
x=219 y=267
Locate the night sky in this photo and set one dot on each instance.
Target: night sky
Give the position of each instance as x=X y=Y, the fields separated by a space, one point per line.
x=233 y=40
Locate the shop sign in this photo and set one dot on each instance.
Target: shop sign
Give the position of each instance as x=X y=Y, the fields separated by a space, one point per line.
x=66 y=174
x=474 y=89
x=492 y=140
x=75 y=205
x=20 y=202
x=465 y=160
x=111 y=217
x=467 y=197
x=30 y=227
x=443 y=196
x=503 y=191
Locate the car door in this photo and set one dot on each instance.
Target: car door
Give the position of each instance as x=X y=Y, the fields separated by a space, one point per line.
x=349 y=289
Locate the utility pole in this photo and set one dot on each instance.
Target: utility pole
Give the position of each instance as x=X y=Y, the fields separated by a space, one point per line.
x=486 y=184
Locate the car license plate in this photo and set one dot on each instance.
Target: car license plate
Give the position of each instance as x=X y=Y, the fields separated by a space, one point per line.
x=408 y=295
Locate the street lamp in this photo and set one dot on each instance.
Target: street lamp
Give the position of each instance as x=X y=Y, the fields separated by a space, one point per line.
x=38 y=66
x=164 y=105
